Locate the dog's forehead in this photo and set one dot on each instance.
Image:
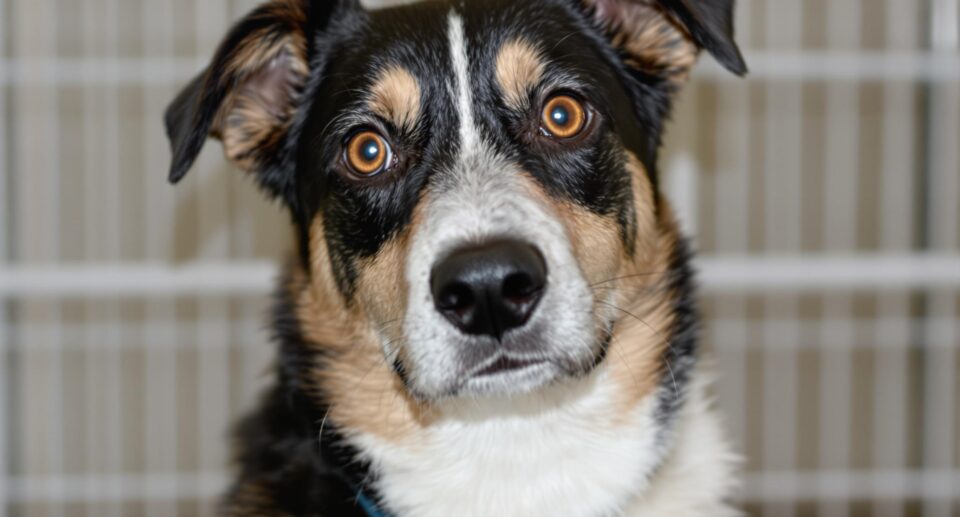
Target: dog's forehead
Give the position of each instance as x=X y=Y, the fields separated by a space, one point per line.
x=425 y=39
x=440 y=67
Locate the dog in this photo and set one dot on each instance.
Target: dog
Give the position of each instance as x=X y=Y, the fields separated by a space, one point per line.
x=490 y=310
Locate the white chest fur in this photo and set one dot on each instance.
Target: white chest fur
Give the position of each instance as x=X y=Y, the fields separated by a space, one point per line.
x=554 y=454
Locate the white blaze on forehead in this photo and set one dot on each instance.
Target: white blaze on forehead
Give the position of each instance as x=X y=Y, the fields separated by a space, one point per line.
x=469 y=136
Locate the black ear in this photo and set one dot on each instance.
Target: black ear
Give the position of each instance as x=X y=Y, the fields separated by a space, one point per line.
x=710 y=22
x=662 y=37
x=248 y=95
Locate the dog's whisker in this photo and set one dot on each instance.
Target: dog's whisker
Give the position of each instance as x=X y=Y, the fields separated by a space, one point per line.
x=627 y=290
x=637 y=318
x=630 y=277
x=323 y=423
x=626 y=363
x=665 y=340
x=676 y=388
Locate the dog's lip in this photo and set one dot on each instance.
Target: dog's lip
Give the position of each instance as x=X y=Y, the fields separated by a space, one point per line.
x=504 y=363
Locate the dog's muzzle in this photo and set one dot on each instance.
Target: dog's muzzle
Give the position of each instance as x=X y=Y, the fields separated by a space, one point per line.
x=490 y=293
x=498 y=304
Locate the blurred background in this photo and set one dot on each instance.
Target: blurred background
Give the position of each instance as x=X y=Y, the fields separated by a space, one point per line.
x=822 y=192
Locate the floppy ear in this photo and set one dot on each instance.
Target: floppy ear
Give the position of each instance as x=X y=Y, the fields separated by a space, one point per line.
x=663 y=37
x=248 y=95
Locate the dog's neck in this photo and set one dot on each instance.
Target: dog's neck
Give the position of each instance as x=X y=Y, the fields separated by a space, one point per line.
x=555 y=453
x=559 y=452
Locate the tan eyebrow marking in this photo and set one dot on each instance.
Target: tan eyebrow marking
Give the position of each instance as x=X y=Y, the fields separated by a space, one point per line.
x=519 y=69
x=395 y=96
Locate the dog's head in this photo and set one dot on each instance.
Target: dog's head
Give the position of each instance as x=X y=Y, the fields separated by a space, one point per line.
x=470 y=178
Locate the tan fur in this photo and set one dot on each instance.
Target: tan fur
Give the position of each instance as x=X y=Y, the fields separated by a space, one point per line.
x=396 y=97
x=264 y=74
x=640 y=338
x=652 y=39
x=628 y=289
x=256 y=117
x=365 y=394
x=285 y=31
x=519 y=69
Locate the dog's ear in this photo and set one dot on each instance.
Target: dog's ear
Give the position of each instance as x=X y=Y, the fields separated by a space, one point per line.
x=662 y=38
x=248 y=95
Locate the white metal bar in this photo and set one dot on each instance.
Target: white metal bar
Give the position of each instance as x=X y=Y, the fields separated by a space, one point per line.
x=162 y=429
x=898 y=171
x=770 y=486
x=806 y=66
x=857 y=326
x=95 y=446
x=212 y=206
x=159 y=72
x=684 y=190
x=732 y=229
x=841 y=208
x=137 y=280
x=745 y=274
x=104 y=426
x=252 y=340
x=818 y=274
x=166 y=489
x=765 y=65
x=5 y=203
x=783 y=173
x=940 y=364
x=944 y=25
x=889 y=486
x=37 y=214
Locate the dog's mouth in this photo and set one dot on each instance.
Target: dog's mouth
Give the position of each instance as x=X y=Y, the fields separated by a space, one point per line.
x=505 y=364
x=507 y=376
x=510 y=373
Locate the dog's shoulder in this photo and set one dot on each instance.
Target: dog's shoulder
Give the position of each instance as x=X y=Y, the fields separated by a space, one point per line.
x=281 y=471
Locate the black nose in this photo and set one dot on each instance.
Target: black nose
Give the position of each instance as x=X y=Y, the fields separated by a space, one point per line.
x=490 y=289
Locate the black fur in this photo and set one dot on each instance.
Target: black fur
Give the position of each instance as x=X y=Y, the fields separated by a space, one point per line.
x=710 y=22
x=681 y=354
x=286 y=449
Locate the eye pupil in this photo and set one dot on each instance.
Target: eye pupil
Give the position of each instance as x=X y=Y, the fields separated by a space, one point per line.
x=564 y=117
x=371 y=151
x=367 y=154
x=560 y=116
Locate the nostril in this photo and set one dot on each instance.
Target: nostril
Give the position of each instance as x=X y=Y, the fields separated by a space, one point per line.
x=456 y=297
x=520 y=287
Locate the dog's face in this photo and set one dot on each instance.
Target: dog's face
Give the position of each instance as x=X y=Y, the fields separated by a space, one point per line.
x=468 y=178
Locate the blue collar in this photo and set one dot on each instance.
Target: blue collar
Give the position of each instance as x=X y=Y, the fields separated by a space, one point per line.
x=369 y=506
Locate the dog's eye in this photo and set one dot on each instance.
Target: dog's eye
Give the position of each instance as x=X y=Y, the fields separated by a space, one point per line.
x=563 y=117
x=367 y=154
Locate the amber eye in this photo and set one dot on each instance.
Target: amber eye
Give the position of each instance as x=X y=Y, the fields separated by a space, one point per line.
x=564 y=117
x=367 y=154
